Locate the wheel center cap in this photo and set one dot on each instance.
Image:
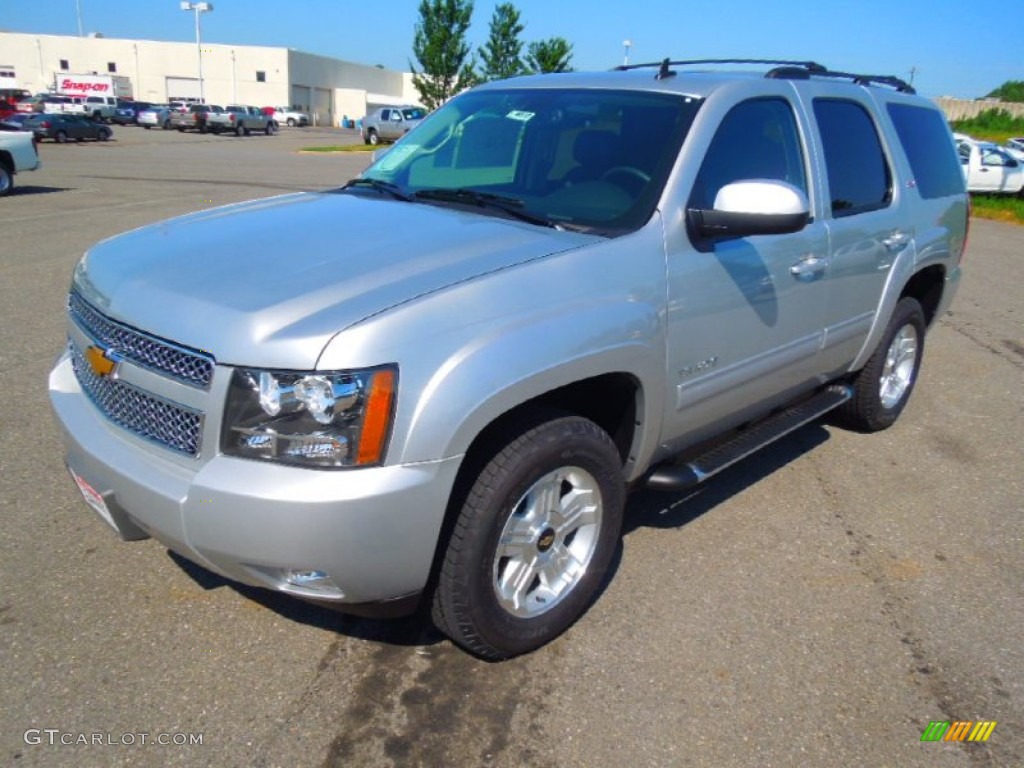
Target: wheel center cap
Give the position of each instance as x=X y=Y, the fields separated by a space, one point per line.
x=546 y=540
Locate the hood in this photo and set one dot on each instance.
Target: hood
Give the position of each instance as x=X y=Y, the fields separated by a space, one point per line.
x=269 y=282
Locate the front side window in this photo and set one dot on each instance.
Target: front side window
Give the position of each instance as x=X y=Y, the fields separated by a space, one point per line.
x=573 y=158
x=757 y=139
x=859 y=179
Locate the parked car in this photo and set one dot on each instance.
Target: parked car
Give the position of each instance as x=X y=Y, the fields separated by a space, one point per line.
x=1016 y=142
x=18 y=153
x=288 y=116
x=193 y=117
x=391 y=123
x=989 y=168
x=127 y=112
x=100 y=108
x=553 y=291
x=155 y=116
x=241 y=120
x=62 y=128
x=16 y=121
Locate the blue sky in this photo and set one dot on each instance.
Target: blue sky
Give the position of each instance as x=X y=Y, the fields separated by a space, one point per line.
x=871 y=36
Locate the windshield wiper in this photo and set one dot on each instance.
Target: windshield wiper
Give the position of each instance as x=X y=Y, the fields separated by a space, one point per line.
x=381 y=186
x=513 y=206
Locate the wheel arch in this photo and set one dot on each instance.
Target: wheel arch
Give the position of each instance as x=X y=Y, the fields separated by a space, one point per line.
x=926 y=286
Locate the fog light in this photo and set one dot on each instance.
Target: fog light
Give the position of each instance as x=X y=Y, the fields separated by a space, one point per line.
x=314 y=581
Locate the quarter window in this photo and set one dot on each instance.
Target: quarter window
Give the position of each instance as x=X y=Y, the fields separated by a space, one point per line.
x=859 y=178
x=925 y=139
x=757 y=139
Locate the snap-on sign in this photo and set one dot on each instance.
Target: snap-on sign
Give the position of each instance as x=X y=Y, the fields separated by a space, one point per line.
x=67 y=84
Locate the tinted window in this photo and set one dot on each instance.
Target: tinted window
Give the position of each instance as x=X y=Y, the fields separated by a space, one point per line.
x=925 y=139
x=859 y=179
x=757 y=140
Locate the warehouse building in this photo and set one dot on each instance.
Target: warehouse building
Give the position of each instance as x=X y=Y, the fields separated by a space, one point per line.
x=330 y=90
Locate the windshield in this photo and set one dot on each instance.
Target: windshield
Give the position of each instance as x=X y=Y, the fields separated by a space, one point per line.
x=587 y=159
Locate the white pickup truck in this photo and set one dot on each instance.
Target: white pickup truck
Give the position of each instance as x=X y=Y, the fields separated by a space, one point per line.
x=990 y=168
x=18 y=153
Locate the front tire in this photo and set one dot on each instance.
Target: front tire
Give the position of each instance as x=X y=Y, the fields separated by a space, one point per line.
x=373 y=138
x=883 y=386
x=533 y=540
x=291 y=122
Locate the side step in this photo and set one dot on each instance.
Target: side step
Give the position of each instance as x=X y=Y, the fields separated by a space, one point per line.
x=683 y=475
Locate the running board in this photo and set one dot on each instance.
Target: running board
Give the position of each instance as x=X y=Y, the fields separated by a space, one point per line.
x=683 y=475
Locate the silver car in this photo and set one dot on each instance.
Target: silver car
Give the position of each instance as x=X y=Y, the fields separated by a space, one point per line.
x=155 y=116
x=533 y=307
x=391 y=123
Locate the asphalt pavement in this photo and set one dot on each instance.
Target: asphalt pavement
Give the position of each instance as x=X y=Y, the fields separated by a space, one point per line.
x=818 y=604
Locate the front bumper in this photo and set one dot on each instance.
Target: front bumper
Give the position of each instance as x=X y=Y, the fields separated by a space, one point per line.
x=372 y=531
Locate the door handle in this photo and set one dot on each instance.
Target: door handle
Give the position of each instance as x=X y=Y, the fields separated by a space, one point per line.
x=896 y=242
x=809 y=267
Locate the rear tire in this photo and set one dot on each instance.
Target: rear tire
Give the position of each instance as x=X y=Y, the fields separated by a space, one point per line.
x=6 y=180
x=271 y=128
x=60 y=137
x=883 y=386
x=532 y=543
x=291 y=122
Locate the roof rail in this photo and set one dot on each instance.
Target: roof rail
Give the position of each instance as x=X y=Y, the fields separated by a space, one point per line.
x=790 y=70
x=664 y=71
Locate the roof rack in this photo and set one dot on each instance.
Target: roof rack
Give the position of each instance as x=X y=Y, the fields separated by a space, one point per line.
x=782 y=69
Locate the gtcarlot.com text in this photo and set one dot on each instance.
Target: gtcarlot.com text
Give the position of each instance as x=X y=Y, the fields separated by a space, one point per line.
x=55 y=737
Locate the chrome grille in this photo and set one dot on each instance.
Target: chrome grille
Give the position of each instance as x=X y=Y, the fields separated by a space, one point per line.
x=165 y=423
x=186 y=365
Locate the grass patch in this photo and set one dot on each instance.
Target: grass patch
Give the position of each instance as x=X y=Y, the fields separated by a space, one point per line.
x=998 y=207
x=341 y=148
x=991 y=125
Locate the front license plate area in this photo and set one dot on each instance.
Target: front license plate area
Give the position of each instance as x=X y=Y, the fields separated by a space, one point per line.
x=94 y=499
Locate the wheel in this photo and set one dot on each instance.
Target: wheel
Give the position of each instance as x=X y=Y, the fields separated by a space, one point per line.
x=533 y=540
x=103 y=134
x=181 y=130
x=60 y=137
x=291 y=122
x=883 y=386
x=147 y=127
x=6 y=180
x=271 y=128
x=633 y=180
x=372 y=137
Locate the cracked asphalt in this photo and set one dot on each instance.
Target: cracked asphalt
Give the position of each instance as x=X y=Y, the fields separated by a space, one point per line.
x=816 y=605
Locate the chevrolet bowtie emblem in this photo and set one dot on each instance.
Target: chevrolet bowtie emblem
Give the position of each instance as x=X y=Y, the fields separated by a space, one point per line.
x=102 y=361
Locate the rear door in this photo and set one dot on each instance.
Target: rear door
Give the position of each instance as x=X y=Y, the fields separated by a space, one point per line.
x=866 y=227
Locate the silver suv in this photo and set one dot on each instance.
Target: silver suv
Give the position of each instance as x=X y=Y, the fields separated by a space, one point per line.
x=390 y=123
x=556 y=290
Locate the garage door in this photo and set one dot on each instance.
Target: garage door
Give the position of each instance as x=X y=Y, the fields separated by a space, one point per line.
x=183 y=89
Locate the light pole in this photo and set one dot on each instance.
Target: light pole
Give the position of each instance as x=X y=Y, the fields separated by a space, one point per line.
x=198 y=8
x=625 y=58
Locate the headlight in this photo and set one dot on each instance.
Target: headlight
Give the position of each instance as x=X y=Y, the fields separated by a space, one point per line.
x=312 y=419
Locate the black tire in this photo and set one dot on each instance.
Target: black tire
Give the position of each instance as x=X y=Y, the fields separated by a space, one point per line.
x=291 y=122
x=372 y=137
x=883 y=386
x=147 y=127
x=271 y=128
x=6 y=180
x=504 y=515
x=181 y=130
x=103 y=134
x=60 y=137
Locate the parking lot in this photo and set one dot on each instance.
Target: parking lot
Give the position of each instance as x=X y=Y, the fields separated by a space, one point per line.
x=816 y=605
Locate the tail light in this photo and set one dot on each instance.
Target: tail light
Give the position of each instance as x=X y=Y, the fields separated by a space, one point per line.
x=231 y=118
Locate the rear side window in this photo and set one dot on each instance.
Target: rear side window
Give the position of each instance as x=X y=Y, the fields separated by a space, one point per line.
x=859 y=179
x=926 y=142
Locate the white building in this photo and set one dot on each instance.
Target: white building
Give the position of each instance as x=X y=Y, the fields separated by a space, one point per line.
x=330 y=90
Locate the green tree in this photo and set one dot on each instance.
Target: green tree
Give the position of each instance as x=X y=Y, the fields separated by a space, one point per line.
x=441 y=49
x=551 y=55
x=502 y=56
x=1011 y=90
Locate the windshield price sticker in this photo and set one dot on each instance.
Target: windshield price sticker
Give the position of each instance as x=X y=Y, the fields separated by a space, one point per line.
x=515 y=114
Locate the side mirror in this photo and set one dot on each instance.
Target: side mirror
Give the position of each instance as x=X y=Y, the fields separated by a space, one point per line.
x=753 y=207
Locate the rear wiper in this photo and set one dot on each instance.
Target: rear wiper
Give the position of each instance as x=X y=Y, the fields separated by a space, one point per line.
x=513 y=206
x=381 y=186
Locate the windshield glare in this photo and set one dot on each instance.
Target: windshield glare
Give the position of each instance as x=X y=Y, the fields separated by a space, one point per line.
x=582 y=158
